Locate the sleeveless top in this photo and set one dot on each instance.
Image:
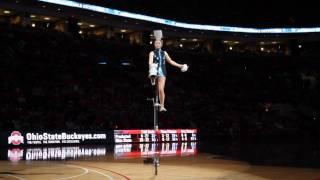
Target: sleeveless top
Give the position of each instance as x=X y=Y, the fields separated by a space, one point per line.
x=159 y=57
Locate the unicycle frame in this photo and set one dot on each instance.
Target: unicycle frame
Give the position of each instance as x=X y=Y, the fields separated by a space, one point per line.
x=155 y=122
x=156 y=106
x=155 y=102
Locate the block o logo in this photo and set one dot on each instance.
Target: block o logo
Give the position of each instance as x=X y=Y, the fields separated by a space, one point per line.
x=15 y=138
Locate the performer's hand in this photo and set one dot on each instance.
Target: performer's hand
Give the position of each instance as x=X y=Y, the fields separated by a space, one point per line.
x=184 y=68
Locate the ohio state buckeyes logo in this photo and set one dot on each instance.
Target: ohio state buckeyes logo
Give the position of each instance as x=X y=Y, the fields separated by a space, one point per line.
x=15 y=138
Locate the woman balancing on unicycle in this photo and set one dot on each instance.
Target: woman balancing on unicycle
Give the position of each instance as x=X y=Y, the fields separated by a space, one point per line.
x=158 y=58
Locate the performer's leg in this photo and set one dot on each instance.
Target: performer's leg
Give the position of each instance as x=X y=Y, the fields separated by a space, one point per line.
x=161 y=85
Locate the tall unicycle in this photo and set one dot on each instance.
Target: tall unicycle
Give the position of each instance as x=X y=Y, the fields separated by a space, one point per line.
x=153 y=75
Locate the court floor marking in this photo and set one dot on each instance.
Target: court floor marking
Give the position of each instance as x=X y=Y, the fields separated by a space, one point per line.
x=85 y=171
x=17 y=177
x=124 y=176
x=94 y=171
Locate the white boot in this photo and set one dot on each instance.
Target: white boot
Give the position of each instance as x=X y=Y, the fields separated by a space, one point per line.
x=162 y=109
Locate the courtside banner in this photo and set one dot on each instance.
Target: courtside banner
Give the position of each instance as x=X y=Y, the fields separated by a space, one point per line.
x=27 y=138
x=31 y=138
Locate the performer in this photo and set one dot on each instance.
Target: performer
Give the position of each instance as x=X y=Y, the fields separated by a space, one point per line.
x=160 y=57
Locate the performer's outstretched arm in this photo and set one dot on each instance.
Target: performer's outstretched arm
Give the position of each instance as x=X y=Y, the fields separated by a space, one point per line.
x=172 y=62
